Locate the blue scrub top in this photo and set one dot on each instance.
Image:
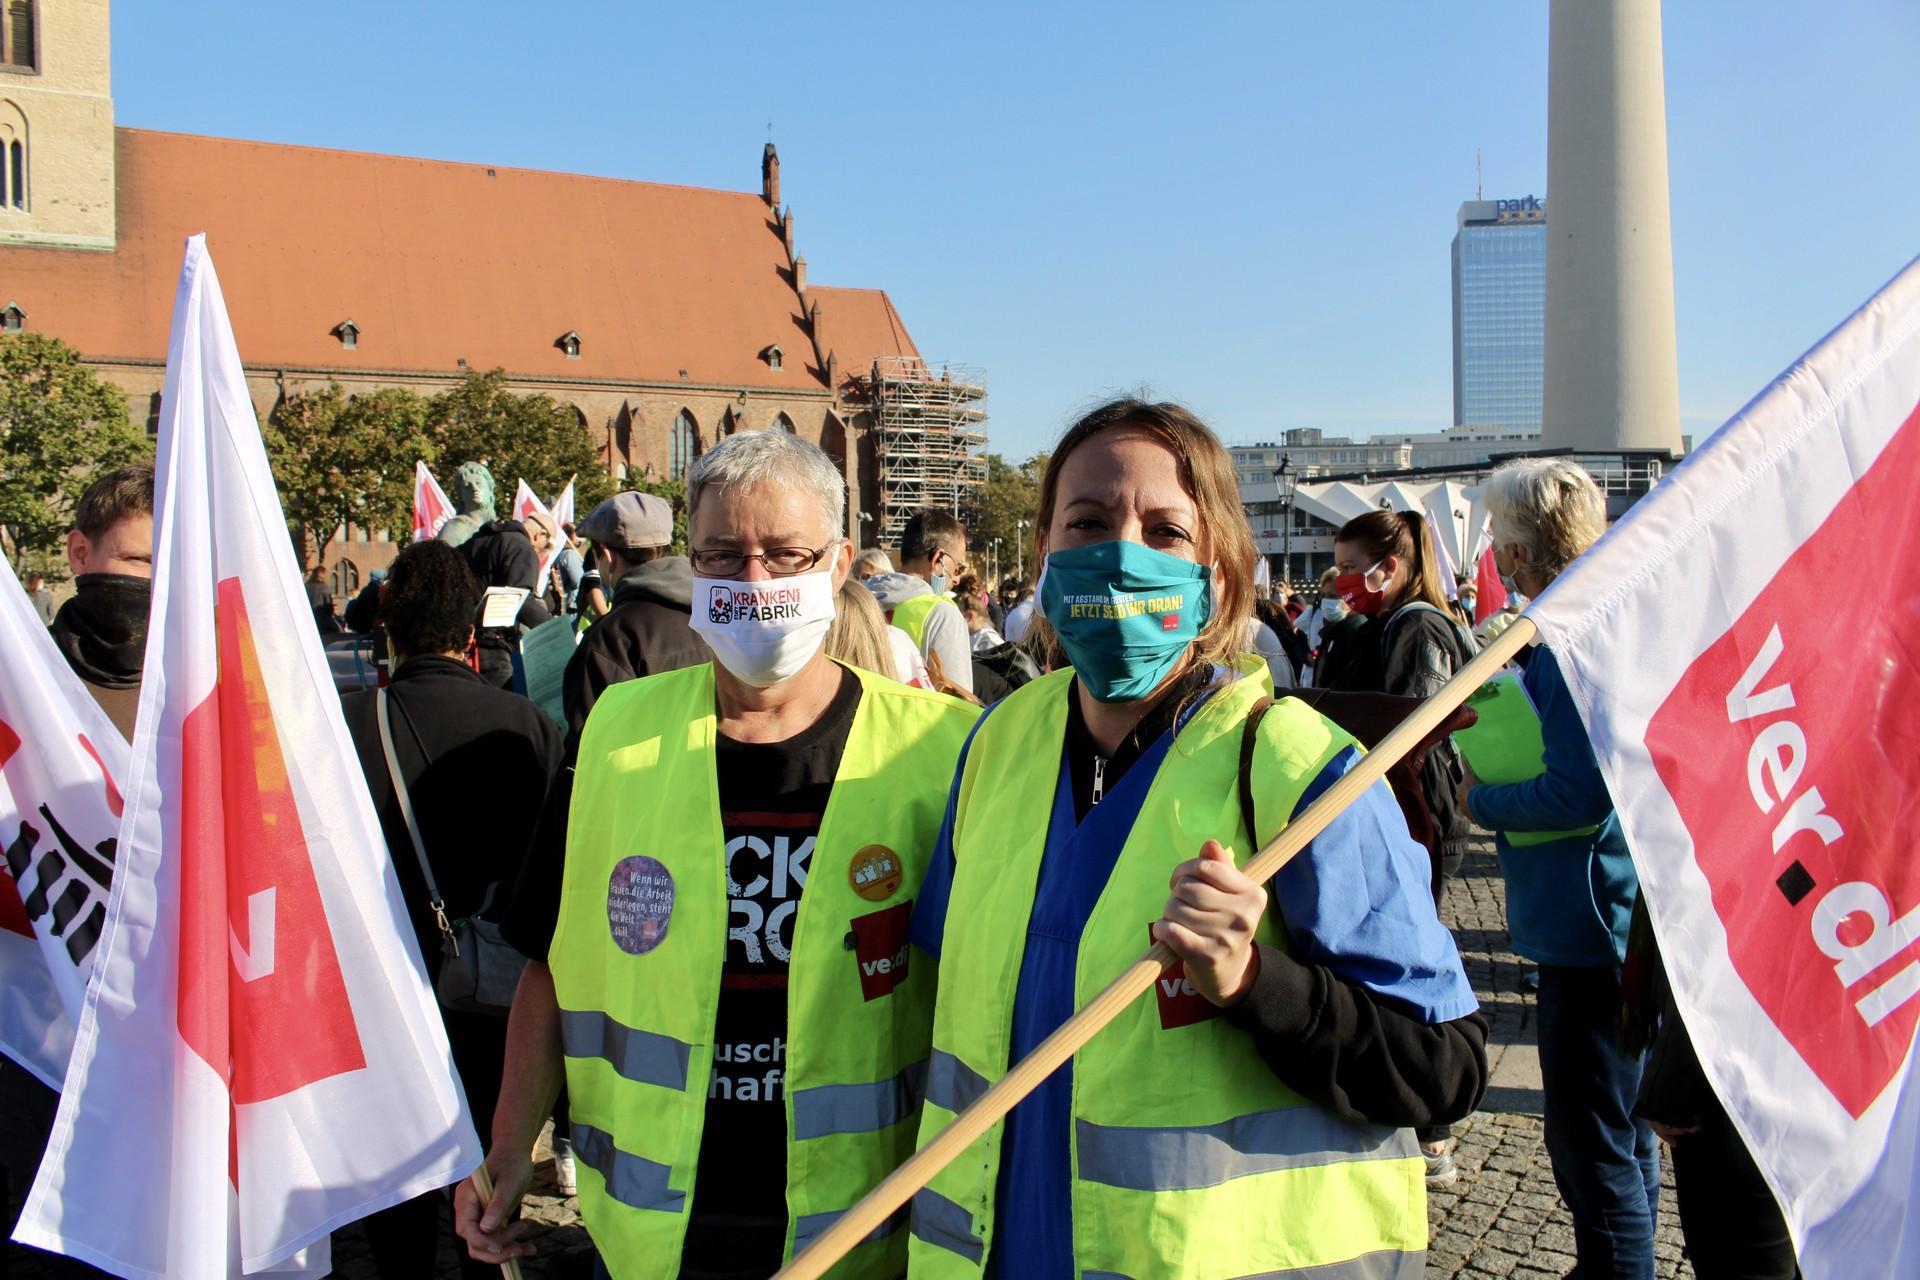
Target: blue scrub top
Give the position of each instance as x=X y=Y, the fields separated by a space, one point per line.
x=1357 y=900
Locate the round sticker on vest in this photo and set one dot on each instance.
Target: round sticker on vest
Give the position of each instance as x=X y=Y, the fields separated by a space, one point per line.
x=639 y=904
x=875 y=873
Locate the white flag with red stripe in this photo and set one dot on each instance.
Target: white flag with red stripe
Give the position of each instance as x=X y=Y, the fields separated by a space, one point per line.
x=527 y=503
x=563 y=507
x=431 y=509
x=1765 y=757
x=60 y=762
x=259 y=1059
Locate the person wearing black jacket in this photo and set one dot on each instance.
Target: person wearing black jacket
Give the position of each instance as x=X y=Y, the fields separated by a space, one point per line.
x=1411 y=645
x=500 y=554
x=1733 y=1226
x=645 y=631
x=102 y=633
x=478 y=763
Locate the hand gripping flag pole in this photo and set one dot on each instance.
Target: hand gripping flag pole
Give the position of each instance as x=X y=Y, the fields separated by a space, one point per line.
x=899 y=1186
x=483 y=1185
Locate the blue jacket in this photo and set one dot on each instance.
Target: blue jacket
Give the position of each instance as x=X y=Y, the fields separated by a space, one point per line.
x=1568 y=901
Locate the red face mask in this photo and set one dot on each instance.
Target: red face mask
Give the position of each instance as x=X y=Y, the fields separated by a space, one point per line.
x=1353 y=588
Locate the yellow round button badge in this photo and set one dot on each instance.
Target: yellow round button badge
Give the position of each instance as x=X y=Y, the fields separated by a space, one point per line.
x=875 y=873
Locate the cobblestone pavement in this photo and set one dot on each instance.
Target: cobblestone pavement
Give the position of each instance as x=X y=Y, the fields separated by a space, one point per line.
x=1503 y=1221
x=1504 y=1218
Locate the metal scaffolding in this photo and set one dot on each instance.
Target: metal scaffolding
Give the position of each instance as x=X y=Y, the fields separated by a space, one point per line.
x=927 y=425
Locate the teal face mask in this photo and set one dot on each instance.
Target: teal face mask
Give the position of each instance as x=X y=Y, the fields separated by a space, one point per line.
x=1124 y=613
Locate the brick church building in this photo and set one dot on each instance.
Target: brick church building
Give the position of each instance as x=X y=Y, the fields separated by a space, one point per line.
x=667 y=316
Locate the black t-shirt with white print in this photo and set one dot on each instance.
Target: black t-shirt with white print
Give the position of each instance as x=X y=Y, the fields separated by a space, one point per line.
x=772 y=796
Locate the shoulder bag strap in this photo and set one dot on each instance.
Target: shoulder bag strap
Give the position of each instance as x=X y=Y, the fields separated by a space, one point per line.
x=434 y=900
x=1249 y=741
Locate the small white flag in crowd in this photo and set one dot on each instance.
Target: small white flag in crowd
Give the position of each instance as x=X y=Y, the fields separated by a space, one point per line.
x=61 y=761
x=563 y=507
x=258 y=1059
x=431 y=509
x=527 y=503
x=1764 y=751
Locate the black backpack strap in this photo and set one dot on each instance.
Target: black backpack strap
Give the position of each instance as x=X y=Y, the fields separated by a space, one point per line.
x=1249 y=739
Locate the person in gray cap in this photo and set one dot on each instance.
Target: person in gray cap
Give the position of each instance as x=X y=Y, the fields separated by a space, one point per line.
x=645 y=631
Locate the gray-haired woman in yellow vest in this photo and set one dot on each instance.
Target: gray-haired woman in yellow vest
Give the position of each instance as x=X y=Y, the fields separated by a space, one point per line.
x=721 y=967
x=1254 y=1117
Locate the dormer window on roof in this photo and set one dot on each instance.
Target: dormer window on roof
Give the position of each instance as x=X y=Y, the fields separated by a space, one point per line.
x=349 y=334
x=12 y=318
x=569 y=342
x=772 y=356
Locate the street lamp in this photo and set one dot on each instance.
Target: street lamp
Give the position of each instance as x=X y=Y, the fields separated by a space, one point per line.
x=866 y=518
x=1284 y=478
x=1463 y=569
x=996 y=560
x=1020 y=548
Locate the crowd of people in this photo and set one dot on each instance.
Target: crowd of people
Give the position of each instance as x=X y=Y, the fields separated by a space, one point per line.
x=792 y=890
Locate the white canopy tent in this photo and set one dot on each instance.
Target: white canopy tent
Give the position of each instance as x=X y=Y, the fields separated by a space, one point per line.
x=1454 y=511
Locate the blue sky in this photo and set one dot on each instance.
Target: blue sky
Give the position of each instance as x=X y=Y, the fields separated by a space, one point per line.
x=1243 y=206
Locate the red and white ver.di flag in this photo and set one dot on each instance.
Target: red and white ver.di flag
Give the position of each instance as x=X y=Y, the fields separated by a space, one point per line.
x=259 y=1059
x=1745 y=649
x=60 y=762
x=431 y=509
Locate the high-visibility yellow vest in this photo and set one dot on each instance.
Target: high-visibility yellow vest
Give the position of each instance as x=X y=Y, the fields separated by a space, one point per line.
x=911 y=616
x=1190 y=1159
x=641 y=941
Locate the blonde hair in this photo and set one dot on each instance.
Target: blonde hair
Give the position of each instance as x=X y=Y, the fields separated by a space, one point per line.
x=1550 y=506
x=857 y=635
x=1403 y=535
x=1207 y=474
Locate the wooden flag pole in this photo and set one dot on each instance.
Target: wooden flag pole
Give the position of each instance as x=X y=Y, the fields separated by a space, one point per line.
x=899 y=1186
x=483 y=1183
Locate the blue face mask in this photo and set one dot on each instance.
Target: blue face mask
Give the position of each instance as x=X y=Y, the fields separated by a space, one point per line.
x=1125 y=614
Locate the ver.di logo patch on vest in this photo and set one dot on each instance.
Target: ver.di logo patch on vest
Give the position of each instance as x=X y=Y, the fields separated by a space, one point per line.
x=639 y=903
x=1181 y=1004
x=880 y=947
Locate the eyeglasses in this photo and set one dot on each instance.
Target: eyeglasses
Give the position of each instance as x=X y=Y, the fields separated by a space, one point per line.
x=781 y=562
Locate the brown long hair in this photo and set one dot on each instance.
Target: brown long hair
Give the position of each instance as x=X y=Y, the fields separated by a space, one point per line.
x=1402 y=535
x=1206 y=472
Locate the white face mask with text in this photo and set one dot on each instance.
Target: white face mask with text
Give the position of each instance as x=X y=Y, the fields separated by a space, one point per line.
x=763 y=631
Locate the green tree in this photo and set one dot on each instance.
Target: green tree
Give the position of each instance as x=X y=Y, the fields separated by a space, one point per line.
x=1010 y=495
x=520 y=437
x=340 y=459
x=61 y=426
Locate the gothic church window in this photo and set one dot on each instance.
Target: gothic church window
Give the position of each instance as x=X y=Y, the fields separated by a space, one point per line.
x=683 y=445
x=13 y=157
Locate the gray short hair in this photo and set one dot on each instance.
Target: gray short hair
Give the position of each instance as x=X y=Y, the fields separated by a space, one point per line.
x=1550 y=506
x=874 y=558
x=771 y=457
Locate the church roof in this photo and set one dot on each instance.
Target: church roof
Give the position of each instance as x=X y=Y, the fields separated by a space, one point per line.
x=437 y=262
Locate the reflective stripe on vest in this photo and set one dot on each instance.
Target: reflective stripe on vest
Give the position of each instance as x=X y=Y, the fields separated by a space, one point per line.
x=858 y=1108
x=637 y=1024
x=1208 y=1155
x=633 y=1180
x=911 y=617
x=1388 y=1264
x=640 y=1056
x=1177 y=1129
x=940 y=1222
